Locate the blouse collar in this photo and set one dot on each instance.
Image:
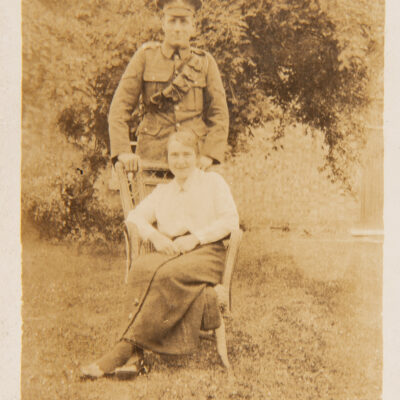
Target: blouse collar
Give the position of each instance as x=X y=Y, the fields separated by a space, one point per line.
x=189 y=183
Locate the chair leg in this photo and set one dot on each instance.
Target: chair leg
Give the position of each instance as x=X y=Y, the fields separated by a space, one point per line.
x=128 y=255
x=221 y=344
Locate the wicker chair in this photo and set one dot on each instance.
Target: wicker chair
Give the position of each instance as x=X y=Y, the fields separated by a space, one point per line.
x=134 y=186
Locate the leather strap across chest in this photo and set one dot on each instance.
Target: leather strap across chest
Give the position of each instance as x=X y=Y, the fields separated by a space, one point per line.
x=188 y=73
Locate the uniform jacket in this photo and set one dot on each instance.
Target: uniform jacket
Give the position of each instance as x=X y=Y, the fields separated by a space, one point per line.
x=196 y=99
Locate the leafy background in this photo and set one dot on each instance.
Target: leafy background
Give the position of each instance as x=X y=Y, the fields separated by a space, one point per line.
x=304 y=85
x=303 y=80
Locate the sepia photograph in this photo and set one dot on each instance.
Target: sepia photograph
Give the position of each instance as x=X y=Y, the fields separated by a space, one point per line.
x=202 y=199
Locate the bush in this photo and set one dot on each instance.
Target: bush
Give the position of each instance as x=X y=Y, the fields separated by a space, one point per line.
x=59 y=193
x=287 y=52
x=280 y=60
x=66 y=201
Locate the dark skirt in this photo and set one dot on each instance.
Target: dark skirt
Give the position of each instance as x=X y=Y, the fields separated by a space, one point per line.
x=167 y=296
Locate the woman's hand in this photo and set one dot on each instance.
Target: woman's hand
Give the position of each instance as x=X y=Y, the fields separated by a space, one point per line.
x=163 y=244
x=186 y=243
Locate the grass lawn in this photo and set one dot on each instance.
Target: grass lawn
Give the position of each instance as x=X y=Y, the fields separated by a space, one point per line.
x=306 y=324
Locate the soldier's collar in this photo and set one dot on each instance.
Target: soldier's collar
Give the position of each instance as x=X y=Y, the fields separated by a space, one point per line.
x=168 y=51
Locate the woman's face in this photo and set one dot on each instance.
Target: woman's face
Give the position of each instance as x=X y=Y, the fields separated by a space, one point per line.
x=181 y=160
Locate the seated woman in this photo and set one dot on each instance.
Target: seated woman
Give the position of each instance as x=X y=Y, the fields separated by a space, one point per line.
x=167 y=289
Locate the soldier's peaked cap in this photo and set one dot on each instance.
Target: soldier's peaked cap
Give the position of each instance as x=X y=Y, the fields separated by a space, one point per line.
x=179 y=7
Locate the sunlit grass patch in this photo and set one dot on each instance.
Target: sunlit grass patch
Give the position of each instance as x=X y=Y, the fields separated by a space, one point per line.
x=294 y=331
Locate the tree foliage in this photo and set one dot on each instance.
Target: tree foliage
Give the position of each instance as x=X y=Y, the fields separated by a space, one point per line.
x=293 y=60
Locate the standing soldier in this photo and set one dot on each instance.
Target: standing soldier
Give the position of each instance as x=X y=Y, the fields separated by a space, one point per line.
x=181 y=87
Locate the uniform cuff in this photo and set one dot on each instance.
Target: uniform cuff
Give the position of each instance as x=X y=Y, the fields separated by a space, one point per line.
x=215 y=152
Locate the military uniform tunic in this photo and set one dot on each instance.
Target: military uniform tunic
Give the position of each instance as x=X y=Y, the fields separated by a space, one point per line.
x=179 y=90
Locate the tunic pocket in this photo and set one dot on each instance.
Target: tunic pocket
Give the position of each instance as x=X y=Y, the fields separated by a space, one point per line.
x=155 y=81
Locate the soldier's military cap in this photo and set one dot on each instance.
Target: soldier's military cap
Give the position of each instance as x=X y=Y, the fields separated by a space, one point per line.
x=178 y=8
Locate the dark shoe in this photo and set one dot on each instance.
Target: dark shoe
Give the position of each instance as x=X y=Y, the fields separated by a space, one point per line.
x=127 y=372
x=131 y=369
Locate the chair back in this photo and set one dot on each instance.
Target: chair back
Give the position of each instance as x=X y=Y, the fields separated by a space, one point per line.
x=134 y=186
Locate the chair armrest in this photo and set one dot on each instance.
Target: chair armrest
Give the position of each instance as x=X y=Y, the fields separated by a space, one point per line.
x=133 y=243
x=224 y=288
x=134 y=238
x=231 y=256
x=124 y=190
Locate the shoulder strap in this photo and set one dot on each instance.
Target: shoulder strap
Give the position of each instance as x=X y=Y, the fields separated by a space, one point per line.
x=151 y=45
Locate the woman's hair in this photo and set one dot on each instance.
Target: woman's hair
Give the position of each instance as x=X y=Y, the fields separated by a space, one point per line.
x=186 y=137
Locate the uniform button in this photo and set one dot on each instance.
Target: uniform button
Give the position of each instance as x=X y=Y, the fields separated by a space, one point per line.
x=178 y=125
x=176 y=107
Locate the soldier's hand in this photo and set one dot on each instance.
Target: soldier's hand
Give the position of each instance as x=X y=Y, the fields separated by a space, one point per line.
x=163 y=244
x=204 y=162
x=130 y=161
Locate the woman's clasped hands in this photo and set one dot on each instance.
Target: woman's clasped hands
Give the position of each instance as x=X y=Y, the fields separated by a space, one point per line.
x=180 y=245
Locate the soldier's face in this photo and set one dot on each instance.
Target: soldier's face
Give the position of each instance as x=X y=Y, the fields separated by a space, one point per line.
x=178 y=30
x=181 y=160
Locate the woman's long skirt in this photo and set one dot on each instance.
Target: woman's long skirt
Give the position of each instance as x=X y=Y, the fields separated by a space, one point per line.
x=167 y=296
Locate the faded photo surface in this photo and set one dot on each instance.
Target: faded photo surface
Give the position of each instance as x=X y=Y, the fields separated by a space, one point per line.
x=109 y=88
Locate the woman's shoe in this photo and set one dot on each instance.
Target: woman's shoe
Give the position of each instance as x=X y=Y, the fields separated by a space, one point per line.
x=106 y=365
x=134 y=367
x=91 y=371
x=127 y=372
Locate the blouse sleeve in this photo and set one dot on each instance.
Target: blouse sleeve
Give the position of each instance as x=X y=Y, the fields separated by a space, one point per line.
x=144 y=215
x=227 y=218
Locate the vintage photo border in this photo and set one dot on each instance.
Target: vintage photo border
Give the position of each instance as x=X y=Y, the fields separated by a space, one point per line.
x=10 y=159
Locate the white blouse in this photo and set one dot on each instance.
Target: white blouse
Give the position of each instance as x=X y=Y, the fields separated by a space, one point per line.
x=203 y=206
